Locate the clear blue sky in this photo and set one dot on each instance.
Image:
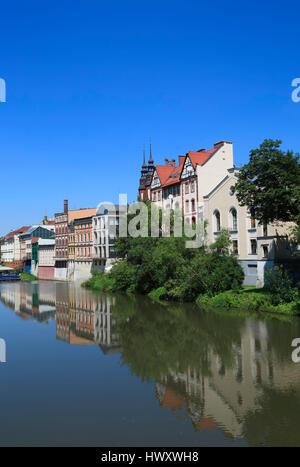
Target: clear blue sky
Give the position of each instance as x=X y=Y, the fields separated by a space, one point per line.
x=89 y=82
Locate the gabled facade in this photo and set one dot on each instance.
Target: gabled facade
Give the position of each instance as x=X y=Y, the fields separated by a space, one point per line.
x=183 y=186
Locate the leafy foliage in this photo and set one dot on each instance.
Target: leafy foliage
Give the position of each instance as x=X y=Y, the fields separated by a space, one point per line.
x=281 y=286
x=183 y=273
x=269 y=183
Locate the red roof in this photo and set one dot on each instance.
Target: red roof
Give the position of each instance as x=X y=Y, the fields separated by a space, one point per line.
x=164 y=172
x=201 y=156
x=14 y=232
x=169 y=174
x=174 y=176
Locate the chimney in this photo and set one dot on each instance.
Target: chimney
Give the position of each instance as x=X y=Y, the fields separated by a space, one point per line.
x=66 y=206
x=181 y=159
x=222 y=142
x=166 y=162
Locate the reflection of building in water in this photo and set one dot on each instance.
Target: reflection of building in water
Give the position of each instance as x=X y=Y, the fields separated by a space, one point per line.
x=105 y=335
x=35 y=300
x=83 y=318
x=74 y=315
x=226 y=396
x=30 y=300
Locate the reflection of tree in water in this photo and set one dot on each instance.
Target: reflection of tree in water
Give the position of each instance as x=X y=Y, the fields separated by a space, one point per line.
x=217 y=369
x=156 y=339
x=277 y=422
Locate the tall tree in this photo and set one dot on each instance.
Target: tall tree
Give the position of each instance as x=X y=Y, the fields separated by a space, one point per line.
x=269 y=184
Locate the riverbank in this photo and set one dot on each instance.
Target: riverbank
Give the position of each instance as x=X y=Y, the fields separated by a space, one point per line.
x=251 y=299
x=248 y=299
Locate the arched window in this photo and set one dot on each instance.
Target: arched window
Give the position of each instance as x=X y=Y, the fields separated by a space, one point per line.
x=193 y=205
x=233 y=219
x=217 y=221
x=193 y=220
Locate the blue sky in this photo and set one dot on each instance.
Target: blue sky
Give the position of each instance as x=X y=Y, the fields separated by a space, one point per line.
x=88 y=84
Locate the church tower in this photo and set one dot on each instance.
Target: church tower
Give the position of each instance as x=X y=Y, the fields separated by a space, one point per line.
x=146 y=177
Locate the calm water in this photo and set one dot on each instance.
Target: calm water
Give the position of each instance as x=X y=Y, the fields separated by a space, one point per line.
x=91 y=369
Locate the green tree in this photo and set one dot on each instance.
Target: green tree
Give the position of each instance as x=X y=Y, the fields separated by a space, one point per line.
x=269 y=184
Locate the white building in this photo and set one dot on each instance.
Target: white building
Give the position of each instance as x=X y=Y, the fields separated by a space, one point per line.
x=105 y=224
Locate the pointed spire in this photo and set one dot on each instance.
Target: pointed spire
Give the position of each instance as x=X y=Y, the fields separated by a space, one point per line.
x=144 y=158
x=150 y=160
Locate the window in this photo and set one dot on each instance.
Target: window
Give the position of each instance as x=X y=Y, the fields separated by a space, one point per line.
x=253 y=244
x=233 y=215
x=265 y=230
x=192 y=187
x=186 y=187
x=193 y=220
x=235 y=247
x=253 y=222
x=265 y=251
x=217 y=221
x=187 y=206
x=193 y=204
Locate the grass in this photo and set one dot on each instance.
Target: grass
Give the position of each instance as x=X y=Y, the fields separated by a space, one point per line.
x=248 y=299
x=25 y=277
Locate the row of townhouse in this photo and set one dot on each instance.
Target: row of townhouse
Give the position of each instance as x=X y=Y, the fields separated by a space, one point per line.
x=200 y=186
x=16 y=246
x=67 y=247
x=74 y=242
x=84 y=240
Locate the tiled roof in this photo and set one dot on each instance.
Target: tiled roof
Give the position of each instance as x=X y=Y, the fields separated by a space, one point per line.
x=14 y=232
x=81 y=213
x=164 y=172
x=168 y=174
x=174 y=177
x=201 y=156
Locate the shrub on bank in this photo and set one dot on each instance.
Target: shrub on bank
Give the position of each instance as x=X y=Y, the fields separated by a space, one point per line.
x=249 y=299
x=281 y=286
x=158 y=294
x=100 y=281
x=150 y=265
x=26 y=277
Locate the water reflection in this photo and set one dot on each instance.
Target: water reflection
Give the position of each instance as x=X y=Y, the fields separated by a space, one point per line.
x=220 y=371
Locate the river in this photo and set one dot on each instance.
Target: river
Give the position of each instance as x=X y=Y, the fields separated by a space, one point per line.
x=92 y=369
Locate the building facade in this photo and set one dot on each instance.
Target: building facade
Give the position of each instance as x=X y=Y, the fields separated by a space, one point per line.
x=105 y=227
x=83 y=232
x=46 y=258
x=200 y=186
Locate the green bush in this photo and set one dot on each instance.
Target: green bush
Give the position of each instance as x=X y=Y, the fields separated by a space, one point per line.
x=158 y=294
x=100 y=281
x=281 y=286
x=249 y=299
x=123 y=274
x=26 y=277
